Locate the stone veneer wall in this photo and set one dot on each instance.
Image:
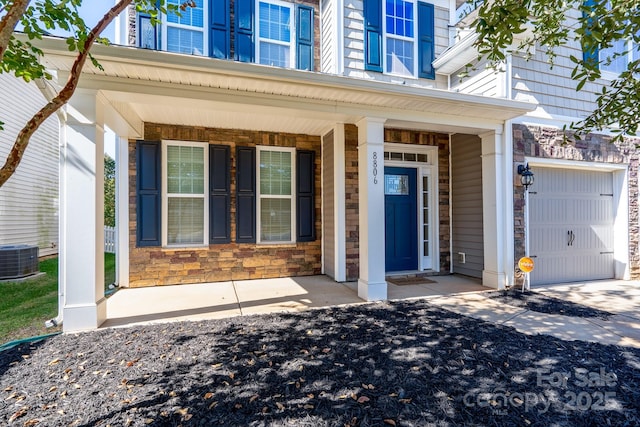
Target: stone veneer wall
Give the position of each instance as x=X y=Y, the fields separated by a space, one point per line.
x=351 y=174
x=539 y=141
x=151 y=266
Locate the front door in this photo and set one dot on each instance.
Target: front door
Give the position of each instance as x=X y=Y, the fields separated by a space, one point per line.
x=401 y=219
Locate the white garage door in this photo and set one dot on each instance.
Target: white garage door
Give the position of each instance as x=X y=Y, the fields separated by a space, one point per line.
x=571 y=225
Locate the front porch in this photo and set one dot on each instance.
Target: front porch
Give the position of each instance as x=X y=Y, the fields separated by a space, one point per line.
x=219 y=300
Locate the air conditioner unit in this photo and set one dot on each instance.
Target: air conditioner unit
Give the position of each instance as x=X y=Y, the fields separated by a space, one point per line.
x=18 y=261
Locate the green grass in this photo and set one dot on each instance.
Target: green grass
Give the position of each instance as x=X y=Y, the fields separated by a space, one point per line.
x=26 y=305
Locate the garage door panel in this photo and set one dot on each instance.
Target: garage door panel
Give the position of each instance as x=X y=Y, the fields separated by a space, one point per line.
x=571 y=225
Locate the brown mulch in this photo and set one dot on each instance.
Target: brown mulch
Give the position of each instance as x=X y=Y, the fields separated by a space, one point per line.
x=402 y=363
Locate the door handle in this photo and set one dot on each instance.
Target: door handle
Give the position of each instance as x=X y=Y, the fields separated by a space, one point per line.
x=572 y=237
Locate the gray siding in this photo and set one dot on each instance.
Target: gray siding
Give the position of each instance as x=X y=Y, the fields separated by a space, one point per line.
x=29 y=200
x=328 y=37
x=328 y=206
x=481 y=81
x=466 y=204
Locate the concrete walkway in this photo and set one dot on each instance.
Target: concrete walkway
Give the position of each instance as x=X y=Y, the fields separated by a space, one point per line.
x=455 y=293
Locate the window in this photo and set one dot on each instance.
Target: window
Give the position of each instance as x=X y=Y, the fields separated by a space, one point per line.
x=276 y=211
x=627 y=52
x=185 y=205
x=400 y=37
x=186 y=33
x=274 y=34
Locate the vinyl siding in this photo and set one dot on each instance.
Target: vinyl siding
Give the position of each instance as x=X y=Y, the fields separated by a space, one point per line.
x=354 y=47
x=328 y=39
x=466 y=204
x=328 y=206
x=481 y=81
x=29 y=200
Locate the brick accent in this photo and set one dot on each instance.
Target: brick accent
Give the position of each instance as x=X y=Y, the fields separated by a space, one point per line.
x=400 y=136
x=543 y=142
x=153 y=266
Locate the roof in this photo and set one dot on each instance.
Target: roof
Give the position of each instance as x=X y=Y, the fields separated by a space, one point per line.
x=163 y=87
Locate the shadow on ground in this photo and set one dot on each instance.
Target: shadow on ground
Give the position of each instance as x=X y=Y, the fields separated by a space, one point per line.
x=401 y=363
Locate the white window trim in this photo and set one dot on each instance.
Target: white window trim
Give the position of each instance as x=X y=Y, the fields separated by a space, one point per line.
x=292 y=29
x=165 y=196
x=203 y=30
x=259 y=196
x=414 y=40
x=612 y=75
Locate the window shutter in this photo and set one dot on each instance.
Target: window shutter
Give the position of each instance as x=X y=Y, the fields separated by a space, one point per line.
x=304 y=38
x=220 y=45
x=219 y=194
x=425 y=41
x=244 y=25
x=373 y=35
x=148 y=193
x=590 y=54
x=246 y=195
x=305 y=200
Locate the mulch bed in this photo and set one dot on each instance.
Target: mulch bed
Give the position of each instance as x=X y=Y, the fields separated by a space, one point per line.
x=535 y=301
x=402 y=363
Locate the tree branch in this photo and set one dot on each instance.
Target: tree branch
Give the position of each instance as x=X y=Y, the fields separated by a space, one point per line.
x=9 y=21
x=22 y=140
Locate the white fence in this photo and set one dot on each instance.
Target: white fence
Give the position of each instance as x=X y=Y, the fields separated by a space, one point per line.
x=110 y=239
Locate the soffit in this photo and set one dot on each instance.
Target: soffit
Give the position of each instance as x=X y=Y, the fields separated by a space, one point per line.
x=164 y=87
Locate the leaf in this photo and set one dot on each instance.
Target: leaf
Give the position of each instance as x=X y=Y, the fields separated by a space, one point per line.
x=213 y=404
x=363 y=399
x=19 y=413
x=31 y=422
x=54 y=362
x=389 y=421
x=280 y=406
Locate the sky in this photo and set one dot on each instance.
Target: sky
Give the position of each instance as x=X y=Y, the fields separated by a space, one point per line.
x=91 y=11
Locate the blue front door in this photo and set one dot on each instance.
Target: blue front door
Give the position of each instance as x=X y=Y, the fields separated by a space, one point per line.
x=401 y=219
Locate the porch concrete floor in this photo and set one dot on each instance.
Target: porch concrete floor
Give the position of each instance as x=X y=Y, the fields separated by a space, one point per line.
x=227 y=299
x=459 y=294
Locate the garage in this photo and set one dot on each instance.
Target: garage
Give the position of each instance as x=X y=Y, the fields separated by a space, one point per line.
x=571 y=225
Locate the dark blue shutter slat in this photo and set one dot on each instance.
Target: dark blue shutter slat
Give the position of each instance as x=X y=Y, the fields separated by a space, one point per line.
x=305 y=196
x=590 y=54
x=219 y=194
x=426 y=41
x=244 y=25
x=148 y=193
x=373 y=35
x=246 y=195
x=304 y=38
x=220 y=44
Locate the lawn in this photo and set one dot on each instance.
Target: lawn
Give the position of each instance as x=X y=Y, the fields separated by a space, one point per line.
x=26 y=305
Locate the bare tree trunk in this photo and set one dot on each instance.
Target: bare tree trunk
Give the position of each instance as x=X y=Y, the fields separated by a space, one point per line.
x=9 y=21
x=22 y=140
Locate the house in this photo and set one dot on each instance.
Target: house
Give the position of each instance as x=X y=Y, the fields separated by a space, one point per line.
x=270 y=139
x=29 y=199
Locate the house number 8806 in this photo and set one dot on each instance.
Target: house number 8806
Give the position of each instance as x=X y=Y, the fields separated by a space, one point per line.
x=375 y=167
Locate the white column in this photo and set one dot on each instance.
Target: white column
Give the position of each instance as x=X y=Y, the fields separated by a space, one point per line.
x=122 y=211
x=371 y=284
x=82 y=215
x=494 y=210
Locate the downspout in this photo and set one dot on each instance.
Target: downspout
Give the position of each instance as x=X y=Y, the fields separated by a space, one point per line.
x=508 y=168
x=450 y=212
x=49 y=92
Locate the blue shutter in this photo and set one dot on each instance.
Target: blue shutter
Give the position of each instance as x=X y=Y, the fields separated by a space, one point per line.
x=148 y=193
x=590 y=54
x=373 y=35
x=246 y=195
x=219 y=40
x=305 y=196
x=219 y=194
x=244 y=25
x=304 y=38
x=425 y=41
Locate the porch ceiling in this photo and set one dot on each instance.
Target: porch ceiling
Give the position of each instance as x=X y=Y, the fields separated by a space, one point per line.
x=161 y=87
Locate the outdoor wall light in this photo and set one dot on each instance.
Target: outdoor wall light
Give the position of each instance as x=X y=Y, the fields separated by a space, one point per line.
x=526 y=176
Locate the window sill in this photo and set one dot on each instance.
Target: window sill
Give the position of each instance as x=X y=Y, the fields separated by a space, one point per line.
x=185 y=248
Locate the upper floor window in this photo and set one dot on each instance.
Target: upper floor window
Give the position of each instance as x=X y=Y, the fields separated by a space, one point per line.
x=270 y=32
x=274 y=34
x=616 y=58
x=399 y=37
x=186 y=33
